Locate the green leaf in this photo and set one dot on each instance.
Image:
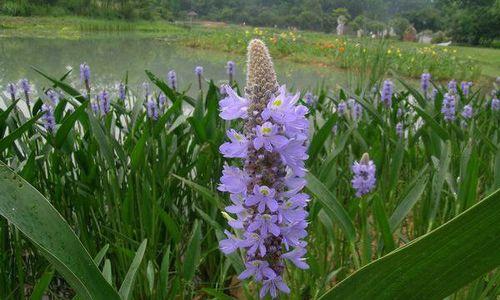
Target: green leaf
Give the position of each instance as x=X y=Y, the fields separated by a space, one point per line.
x=193 y=253
x=42 y=284
x=128 y=283
x=334 y=209
x=217 y=294
x=206 y=193
x=63 y=86
x=405 y=206
x=434 y=265
x=320 y=137
x=7 y=141
x=23 y=206
x=429 y=120
x=64 y=129
x=137 y=155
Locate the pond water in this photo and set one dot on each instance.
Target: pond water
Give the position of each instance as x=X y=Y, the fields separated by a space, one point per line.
x=110 y=56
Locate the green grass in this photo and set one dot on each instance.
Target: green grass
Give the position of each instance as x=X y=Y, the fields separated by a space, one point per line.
x=121 y=178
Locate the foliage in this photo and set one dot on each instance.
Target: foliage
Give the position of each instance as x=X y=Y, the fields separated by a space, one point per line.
x=120 y=178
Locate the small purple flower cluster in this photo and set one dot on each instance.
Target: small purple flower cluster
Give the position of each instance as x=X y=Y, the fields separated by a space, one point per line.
x=386 y=93
x=452 y=86
x=399 y=130
x=448 y=108
x=364 y=176
x=231 y=70
x=85 y=75
x=152 y=109
x=12 y=90
x=465 y=86
x=269 y=207
x=467 y=112
x=199 y=73
x=425 y=79
x=104 y=102
x=172 y=79
x=122 y=91
x=48 y=119
x=495 y=104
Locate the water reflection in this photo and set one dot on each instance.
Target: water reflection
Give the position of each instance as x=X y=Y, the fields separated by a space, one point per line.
x=110 y=56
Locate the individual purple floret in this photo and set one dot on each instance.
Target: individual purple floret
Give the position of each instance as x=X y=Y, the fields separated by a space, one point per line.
x=104 y=103
x=425 y=82
x=399 y=129
x=448 y=108
x=495 y=104
x=467 y=112
x=465 y=86
x=364 y=175
x=386 y=93
x=172 y=79
x=152 y=109
x=452 y=86
x=85 y=75
x=49 y=121
x=268 y=208
x=12 y=90
x=122 y=91
x=341 y=108
x=231 y=69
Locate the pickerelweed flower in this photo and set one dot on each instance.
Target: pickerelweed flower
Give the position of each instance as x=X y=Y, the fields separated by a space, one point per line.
x=104 y=102
x=465 y=86
x=364 y=175
x=452 y=86
x=341 y=108
x=12 y=90
x=162 y=100
x=231 y=70
x=467 y=112
x=85 y=75
x=199 y=73
x=122 y=91
x=495 y=104
x=152 y=109
x=357 y=110
x=269 y=209
x=425 y=80
x=399 y=129
x=95 y=105
x=26 y=87
x=309 y=99
x=147 y=90
x=48 y=119
x=172 y=79
x=434 y=93
x=386 y=93
x=448 y=108
x=53 y=96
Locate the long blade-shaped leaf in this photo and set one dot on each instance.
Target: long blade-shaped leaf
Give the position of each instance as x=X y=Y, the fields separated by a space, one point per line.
x=128 y=282
x=436 y=264
x=22 y=205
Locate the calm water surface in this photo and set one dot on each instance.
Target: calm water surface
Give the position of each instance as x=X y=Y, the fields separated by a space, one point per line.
x=110 y=56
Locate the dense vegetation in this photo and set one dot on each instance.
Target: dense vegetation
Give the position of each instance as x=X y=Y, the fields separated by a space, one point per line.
x=120 y=176
x=471 y=22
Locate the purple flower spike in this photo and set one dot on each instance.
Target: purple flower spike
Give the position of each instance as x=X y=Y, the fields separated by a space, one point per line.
x=172 y=79
x=467 y=112
x=364 y=176
x=386 y=94
x=104 y=103
x=85 y=75
x=341 y=108
x=198 y=71
x=452 y=86
x=231 y=69
x=465 y=86
x=49 y=121
x=399 y=129
x=122 y=91
x=425 y=82
x=495 y=104
x=448 y=108
x=12 y=90
x=152 y=109
x=267 y=205
x=54 y=97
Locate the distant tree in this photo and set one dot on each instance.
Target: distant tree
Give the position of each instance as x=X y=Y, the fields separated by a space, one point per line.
x=399 y=24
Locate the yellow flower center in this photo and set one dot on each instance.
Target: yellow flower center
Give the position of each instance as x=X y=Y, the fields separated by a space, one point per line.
x=277 y=102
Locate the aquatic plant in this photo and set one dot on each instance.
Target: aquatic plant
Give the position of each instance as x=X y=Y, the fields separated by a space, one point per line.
x=266 y=194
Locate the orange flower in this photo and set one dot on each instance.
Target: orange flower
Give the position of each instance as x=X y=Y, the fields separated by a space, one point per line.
x=341 y=49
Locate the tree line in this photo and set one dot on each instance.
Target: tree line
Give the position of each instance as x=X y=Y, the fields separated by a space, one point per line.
x=464 y=21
